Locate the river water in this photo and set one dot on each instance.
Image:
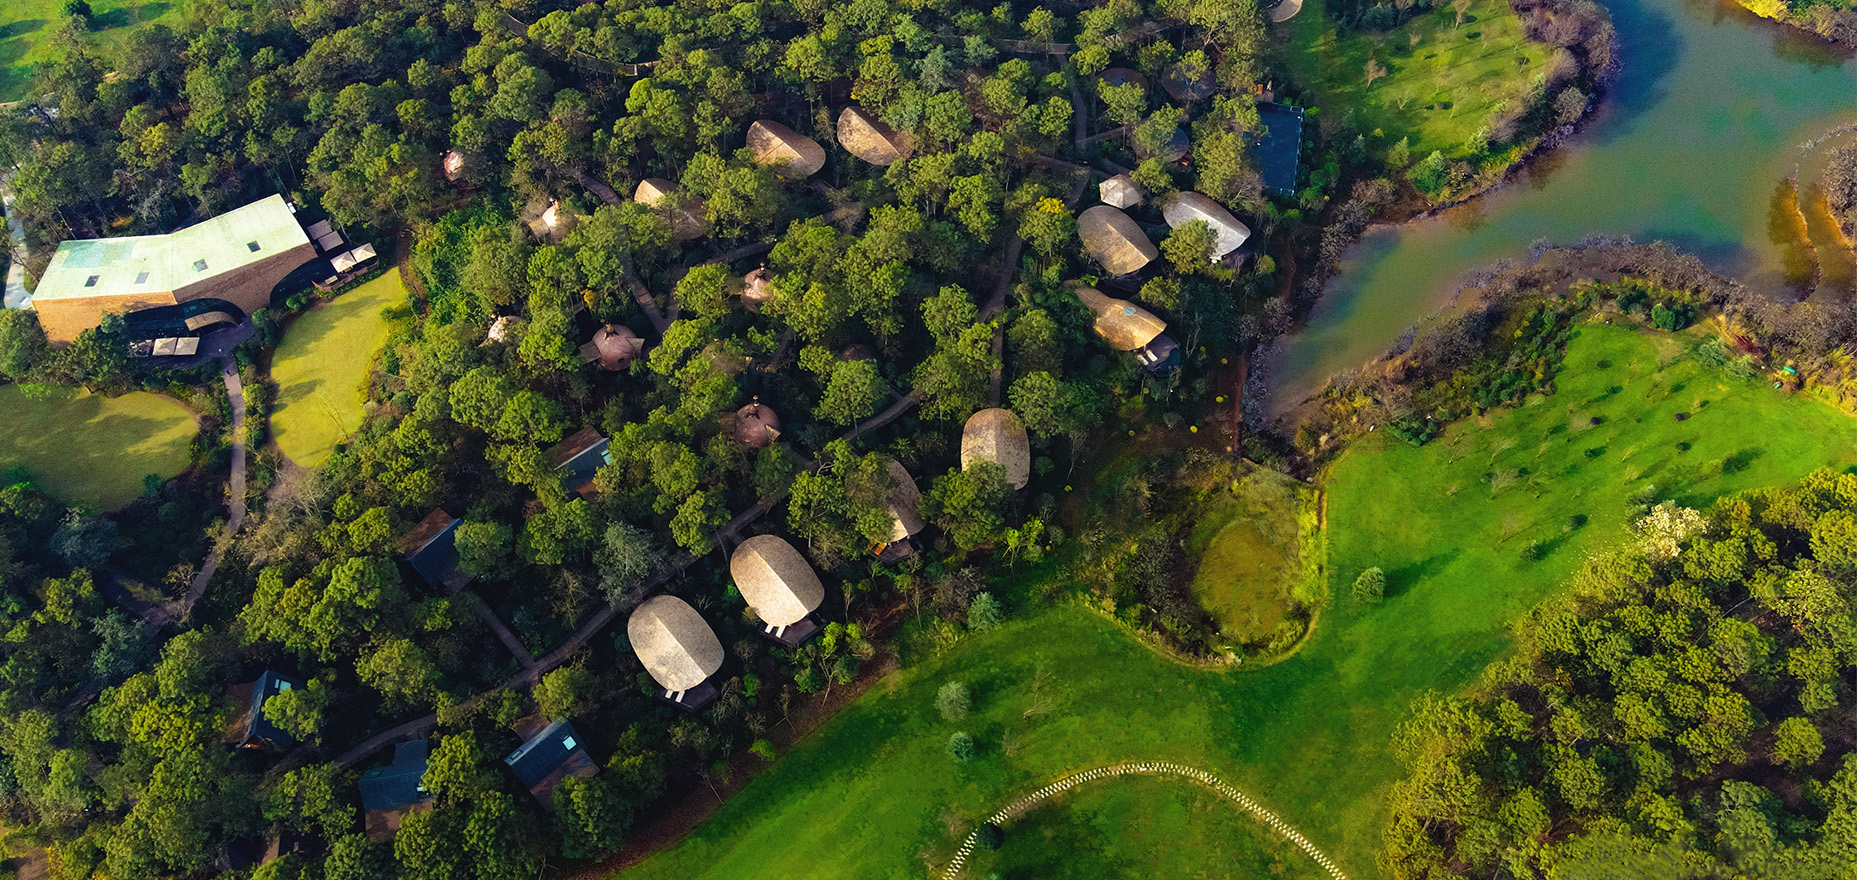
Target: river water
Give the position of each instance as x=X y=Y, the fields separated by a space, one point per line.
x=1693 y=145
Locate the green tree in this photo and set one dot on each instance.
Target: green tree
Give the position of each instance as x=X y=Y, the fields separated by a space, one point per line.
x=1796 y=743
x=484 y=549
x=961 y=746
x=984 y=613
x=626 y=557
x=969 y=503
x=565 y=691
x=1370 y=586
x=1431 y=175
x=953 y=700
x=458 y=773
x=301 y=712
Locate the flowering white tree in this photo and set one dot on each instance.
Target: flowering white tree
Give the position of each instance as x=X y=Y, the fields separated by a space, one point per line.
x=1661 y=532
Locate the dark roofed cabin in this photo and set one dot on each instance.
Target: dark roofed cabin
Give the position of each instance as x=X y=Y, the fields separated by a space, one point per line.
x=548 y=757
x=431 y=549
x=579 y=457
x=389 y=793
x=259 y=731
x=1280 y=148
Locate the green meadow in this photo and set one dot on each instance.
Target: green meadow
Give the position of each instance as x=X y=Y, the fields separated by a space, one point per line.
x=320 y=365
x=94 y=451
x=1059 y=689
x=27 y=27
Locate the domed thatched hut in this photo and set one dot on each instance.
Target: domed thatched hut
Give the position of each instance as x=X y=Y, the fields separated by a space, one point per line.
x=757 y=288
x=1124 y=325
x=1186 y=83
x=997 y=435
x=614 y=346
x=677 y=647
x=797 y=155
x=868 y=138
x=778 y=584
x=757 y=424
x=1120 y=76
x=1121 y=191
x=905 y=514
x=1229 y=232
x=1113 y=240
x=686 y=221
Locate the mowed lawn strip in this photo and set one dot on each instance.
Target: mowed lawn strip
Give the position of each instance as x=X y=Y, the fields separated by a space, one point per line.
x=320 y=365
x=1307 y=738
x=94 y=451
x=1438 y=90
x=27 y=28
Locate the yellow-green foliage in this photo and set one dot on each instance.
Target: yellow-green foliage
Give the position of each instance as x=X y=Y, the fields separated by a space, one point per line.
x=321 y=365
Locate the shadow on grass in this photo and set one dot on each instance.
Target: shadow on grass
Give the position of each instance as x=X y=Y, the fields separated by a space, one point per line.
x=1402 y=579
x=127 y=16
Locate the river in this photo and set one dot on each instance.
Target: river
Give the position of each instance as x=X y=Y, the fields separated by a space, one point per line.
x=1693 y=145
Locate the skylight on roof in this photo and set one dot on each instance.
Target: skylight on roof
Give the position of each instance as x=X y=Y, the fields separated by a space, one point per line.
x=92 y=281
x=199 y=265
x=141 y=277
x=252 y=245
x=567 y=742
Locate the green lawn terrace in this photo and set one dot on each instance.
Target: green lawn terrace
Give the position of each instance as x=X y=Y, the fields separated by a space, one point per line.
x=28 y=27
x=91 y=451
x=322 y=365
x=1063 y=690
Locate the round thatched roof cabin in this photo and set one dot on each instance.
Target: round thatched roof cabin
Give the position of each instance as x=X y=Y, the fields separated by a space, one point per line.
x=757 y=288
x=1229 y=232
x=797 y=155
x=905 y=503
x=997 y=435
x=775 y=580
x=677 y=647
x=1118 y=76
x=617 y=346
x=1113 y=240
x=869 y=138
x=757 y=424
x=1124 y=325
x=1121 y=191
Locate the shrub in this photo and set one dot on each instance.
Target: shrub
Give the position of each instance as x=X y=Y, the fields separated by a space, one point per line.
x=961 y=746
x=1431 y=175
x=990 y=837
x=1371 y=585
x=984 y=613
x=953 y=701
x=763 y=749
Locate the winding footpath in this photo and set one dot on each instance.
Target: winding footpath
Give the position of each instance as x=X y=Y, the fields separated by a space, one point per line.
x=235 y=393
x=1141 y=768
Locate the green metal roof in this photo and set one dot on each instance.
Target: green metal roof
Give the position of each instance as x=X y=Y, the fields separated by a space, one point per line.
x=145 y=264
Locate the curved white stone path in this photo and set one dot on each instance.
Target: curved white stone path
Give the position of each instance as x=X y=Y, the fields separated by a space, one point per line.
x=1141 y=768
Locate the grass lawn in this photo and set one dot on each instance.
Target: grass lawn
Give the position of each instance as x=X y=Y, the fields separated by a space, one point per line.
x=1249 y=551
x=90 y=450
x=1443 y=80
x=27 y=27
x=869 y=793
x=320 y=365
x=1140 y=828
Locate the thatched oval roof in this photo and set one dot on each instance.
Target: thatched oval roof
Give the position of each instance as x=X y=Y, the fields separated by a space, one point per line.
x=868 y=138
x=775 y=579
x=1116 y=76
x=773 y=143
x=1230 y=233
x=996 y=435
x=687 y=221
x=617 y=346
x=1124 y=325
x=756 y=289
x=1121 y=191
x=677 y=647
x=905 y=503
x=1114 y=240
x=757 y=424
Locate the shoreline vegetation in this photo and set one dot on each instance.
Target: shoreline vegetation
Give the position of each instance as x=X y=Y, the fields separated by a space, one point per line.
x=1833 y=21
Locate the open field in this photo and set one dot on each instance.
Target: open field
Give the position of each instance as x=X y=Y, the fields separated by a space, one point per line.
x=90 y=450
x=1443 y=80
x=1307 y=737
x=1141 y=828
x=27 y=27
x=1248 y=549
x=320 y=365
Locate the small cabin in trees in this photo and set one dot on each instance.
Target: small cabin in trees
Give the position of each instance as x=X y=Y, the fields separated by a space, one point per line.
x=431 y=549
x=389 y=793
x=549 y=755
x=794 y=155
x=1129 y=327
x=780 y=586
x=578 y=458
x=906 y=521
x=998 y=436
x=865 y=136
x=259 y=731
x=1228 y=232
x=678 y=648
x=1114 y=240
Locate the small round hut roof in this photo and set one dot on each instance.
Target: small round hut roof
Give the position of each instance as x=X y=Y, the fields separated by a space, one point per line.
x=687 y=221
x=905 y=503
x=1187 y=85
x=617 y=346
x=1121 y=191
x=756 y=288
x=868 y=138
x=775 y=579
x=996 y=435
x=757 y=424
x=1230 y=233
x=772 y=143
x=677 y=647
x=1114 y=240
x=857 y=351
x=1124 y=325
x=652 y=190
x=1116 y=76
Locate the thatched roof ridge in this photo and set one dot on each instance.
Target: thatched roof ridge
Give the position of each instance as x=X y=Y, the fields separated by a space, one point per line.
x=776 y=580
x=869 y=138
x=1121 y=191
x=905 y=503
x=1113 y=240
x=677 y=647
x=1123 y=324
x=997 y=435
x=773 y=143
x=1230 y=232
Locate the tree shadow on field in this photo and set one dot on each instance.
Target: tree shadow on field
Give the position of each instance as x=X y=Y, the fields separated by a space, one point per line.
x=1401 y=580
x=129 y=15
x=24 y=26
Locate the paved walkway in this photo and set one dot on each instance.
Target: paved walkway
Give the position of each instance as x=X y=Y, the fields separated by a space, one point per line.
x=497 y=626
x=1141 y=768
x=235 y=391
x=16 y=295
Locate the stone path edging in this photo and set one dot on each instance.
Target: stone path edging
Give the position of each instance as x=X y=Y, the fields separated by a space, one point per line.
x=1141 y=768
